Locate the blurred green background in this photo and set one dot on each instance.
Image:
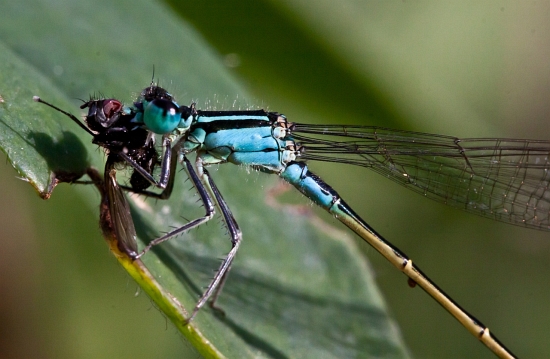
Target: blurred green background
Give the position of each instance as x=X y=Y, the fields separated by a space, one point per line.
x=464 y=68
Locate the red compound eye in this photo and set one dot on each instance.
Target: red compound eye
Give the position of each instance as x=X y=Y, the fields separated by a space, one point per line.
x=110 y=107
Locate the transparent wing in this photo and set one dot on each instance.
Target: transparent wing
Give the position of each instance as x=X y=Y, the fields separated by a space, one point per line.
x=503 y=179
x=119 y=211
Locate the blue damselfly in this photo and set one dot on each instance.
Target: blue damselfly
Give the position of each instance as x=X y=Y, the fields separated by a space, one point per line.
x=503 y=179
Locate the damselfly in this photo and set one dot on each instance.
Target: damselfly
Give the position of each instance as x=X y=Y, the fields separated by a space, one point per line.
x=504 y=179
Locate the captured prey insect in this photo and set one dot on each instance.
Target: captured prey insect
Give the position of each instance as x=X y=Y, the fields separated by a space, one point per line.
x=112 y=128
x=504 y=179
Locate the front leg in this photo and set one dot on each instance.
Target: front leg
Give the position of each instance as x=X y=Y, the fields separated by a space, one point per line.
x=166 y=174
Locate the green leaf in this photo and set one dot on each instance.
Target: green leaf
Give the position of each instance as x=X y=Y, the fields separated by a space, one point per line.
x=39 y=150
x=299 y=288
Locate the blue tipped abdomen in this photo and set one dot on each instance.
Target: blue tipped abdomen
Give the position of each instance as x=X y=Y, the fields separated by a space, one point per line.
x=298 y=175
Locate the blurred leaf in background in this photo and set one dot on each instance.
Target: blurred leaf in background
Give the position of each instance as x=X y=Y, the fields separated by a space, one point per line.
x=467 y=69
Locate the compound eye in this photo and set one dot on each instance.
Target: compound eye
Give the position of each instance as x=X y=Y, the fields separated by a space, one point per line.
x=111 y=107
x=161 y=116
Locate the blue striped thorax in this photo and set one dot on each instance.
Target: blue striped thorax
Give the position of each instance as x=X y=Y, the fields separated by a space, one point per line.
x=255 y=138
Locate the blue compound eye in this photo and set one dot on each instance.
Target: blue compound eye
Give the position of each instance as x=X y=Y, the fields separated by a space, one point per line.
x=161 y=116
